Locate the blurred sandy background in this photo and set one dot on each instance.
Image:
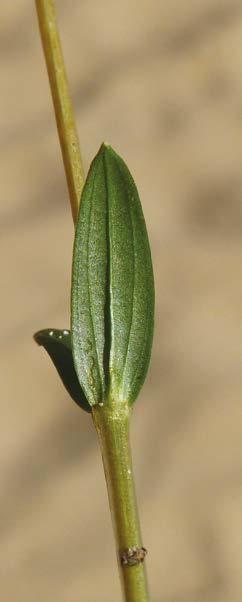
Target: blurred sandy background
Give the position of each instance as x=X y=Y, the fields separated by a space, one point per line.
x=161 y=81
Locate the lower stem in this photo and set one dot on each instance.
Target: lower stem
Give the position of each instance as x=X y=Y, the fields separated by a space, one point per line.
x=112 y=425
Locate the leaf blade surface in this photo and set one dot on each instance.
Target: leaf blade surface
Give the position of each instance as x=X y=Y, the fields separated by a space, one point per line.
x=112 y=284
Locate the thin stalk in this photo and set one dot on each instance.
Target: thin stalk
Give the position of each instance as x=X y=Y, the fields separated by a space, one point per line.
x=62 y=101
x=112 y=425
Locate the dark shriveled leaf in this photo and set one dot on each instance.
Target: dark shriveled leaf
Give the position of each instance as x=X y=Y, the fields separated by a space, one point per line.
x=112 y=285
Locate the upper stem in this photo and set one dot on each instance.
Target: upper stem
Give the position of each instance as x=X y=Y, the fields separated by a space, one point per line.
x=112 y=425
x=62 y=101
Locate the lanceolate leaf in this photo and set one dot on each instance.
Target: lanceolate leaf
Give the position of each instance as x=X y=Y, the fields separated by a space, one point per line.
x=58 y=345
x=112 y=285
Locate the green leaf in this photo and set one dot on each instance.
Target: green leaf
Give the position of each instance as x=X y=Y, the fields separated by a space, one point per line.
x=112 y=285
x=58 y=345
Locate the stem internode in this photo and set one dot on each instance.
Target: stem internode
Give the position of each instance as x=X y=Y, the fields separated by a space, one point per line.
x=112 y=425
x=62 y=101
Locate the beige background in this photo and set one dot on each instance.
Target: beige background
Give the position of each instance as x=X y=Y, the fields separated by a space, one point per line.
x=161 y=81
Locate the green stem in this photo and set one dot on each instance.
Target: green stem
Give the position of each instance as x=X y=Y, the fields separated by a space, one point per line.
x=111 y=421
x=62 y=101
x=112 y=425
